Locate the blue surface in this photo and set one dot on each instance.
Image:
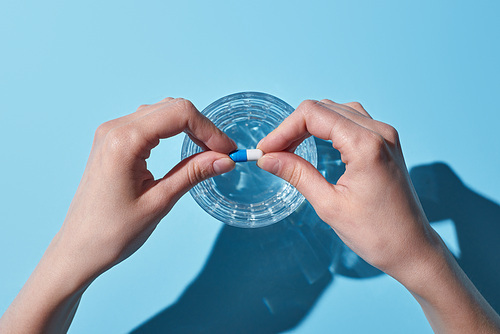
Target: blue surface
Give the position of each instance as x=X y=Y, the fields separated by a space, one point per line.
x=429 y=68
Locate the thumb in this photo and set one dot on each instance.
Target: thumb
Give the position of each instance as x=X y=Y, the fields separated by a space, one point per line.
x=191 y=171
x=303 y=176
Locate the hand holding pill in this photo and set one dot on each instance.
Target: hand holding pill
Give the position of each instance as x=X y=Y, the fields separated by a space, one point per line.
x=374 y=209
x=375 y=177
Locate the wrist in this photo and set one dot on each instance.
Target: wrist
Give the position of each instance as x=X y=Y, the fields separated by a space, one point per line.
x=82 y=255
x=426 y=265
x=65 y=272
x=65 y=268
x=445 y=292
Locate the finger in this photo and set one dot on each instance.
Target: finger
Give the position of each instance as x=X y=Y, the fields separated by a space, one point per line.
x=350 y=106
x=169 y=119
x=142 y=110
x=351 y=110
x=345 y=110
x=303 y=176
x=149 y=107
x=291 y=146
x=320 y=121
x=358 y=107
x=186 y=174
x=327 y=101
x=360 y=116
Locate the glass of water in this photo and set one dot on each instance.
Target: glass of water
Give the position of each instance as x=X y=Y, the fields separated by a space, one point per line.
x=248 y=196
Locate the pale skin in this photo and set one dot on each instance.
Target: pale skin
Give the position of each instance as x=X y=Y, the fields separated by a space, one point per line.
x=373 y=208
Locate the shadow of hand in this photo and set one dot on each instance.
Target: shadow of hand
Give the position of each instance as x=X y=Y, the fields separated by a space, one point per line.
x=477 y=222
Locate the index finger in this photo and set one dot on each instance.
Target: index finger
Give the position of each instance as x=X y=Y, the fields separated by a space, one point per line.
x=312 y=118
x=174 y=117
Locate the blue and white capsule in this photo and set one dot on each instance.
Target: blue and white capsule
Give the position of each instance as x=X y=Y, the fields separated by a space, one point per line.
x=246 y=155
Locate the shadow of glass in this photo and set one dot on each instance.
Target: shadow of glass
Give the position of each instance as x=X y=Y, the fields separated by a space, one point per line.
x=477 y=222
x=261 y=280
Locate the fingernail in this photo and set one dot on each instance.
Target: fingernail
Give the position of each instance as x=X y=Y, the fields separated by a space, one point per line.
x=269 y=163
x=223 y=165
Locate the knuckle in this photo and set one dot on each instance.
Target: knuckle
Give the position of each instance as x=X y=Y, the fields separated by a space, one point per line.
x=376 y=141
x=356 y=105
x=375 y=147
x=327 y=101
x=142 y=106
x=390 y=133
x=307 y=108
x=184 y=110
x=103 y=129
x=197 y=174
x=184 y=104
x=307 y=105
x=120 y=139
x=295 y=176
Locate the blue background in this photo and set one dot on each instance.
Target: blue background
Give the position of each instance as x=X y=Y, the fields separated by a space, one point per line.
x=429 y=68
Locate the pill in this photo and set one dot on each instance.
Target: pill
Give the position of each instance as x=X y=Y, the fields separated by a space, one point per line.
x=246 y=155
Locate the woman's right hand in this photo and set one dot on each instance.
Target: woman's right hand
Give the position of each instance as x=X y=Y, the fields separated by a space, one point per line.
x=373 y=207
x=375 y=210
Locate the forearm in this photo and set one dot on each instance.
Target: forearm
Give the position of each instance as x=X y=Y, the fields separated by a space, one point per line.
x=448 y=298
x=50 y=297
